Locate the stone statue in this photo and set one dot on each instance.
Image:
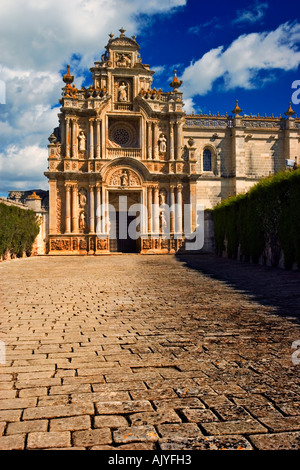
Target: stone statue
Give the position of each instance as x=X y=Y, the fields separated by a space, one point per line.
x=163 y=221
x=124 y=178
x=123 y=60
x=81 y=141
x=82 y=220
x=82 y=199
x=163 y=144
x=123 y=92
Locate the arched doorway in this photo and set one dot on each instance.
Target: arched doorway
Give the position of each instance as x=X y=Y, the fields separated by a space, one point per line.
x=124 y=221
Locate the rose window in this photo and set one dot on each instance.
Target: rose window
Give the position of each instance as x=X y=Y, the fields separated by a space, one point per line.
x=121 y=136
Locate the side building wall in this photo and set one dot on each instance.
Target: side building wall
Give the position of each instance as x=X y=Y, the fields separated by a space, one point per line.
x=243 y=150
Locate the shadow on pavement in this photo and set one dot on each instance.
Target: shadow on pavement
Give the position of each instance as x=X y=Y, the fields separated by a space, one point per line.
x=267 y=285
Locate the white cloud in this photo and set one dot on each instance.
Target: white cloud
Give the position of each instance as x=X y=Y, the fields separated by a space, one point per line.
x=38 y=38
x=22 y=166
x=252 y=15
x=240 y=64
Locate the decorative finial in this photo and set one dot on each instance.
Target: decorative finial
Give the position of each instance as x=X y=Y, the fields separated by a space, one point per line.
x=237 y=110
x=175 y=84
x=111 y=36
x=122 y=31
x=68 y=78
x=290 y=112
x=33 y=196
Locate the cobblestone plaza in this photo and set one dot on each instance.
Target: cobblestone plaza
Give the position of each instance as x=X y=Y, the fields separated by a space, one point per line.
x=148 y=352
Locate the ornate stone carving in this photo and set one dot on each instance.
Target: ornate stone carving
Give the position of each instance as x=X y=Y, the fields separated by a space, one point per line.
x=60 y=244
x=162 y=144
x=82 y=244
x=59 y=208
x=82 y=198
x=124 y=177
x=123 y=60
x=147 y=244
x=81 y=142
x=123 y=93
x=82 y=222
x=101 y=244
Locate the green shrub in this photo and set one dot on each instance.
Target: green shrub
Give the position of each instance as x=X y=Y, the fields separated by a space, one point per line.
x=267 y=216
x=18 y=230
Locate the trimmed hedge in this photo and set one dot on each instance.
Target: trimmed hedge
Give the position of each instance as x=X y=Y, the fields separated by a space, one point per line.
x=18 y=230
x=265 y=218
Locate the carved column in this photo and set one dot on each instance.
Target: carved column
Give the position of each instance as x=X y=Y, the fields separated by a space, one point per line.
x=98 y=137
x=52 y=206
x=91 y=152
x=104 y=212
x=171 y=141
x=149 y=201
x=74 y=138
x=179 y=141
x=179 y=210
x=67 y=137
x=155 y=140
x=149 y=124
x=156 y=211
x=74 y=209
x=103 y=149
x=172 y=208
x=98 y=208
x=68 y=208
x=92 y=208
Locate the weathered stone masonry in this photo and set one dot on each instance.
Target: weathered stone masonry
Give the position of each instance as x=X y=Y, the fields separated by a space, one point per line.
x=121 y=137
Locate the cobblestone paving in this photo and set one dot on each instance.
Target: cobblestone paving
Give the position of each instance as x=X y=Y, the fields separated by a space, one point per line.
x=148 y=352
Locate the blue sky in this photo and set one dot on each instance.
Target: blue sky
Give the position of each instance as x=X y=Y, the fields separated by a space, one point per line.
x=222 y=51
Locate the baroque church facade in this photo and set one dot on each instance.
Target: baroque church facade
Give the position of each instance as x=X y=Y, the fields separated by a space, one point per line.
x=121 y=143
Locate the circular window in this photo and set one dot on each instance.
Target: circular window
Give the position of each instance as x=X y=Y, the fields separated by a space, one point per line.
x=121 y=136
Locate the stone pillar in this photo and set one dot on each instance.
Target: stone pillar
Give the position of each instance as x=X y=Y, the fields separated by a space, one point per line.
x=143 y=212
x=67 y=137
x=98 y=208
x=103 y=149
x=155 y=140
x=52 y=207
x=149 y=201
x=193 y=201
x=98 y=137
x=179 y=210
x=156 y=211
x=171 y=141
x=74 y=138
x=172 y=208
x=149 y=143
x=104 y=211
x=74 y=209
x=91 y=140
x=92 y=208
x=68 y=208
x=179 y=141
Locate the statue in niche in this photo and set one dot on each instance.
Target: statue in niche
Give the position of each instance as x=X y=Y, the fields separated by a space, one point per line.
x=163 y=224
x=81 y=141
x=124 y=180
x=163 y=144
x=123 y=60
x=82 y=199
x=123 y=92
x=162 y=197
x=82 y=220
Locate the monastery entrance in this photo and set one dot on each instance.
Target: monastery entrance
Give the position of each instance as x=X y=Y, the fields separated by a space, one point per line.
x=124 y=221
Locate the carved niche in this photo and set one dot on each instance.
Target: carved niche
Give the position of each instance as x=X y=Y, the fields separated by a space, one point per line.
x=124 y=177
x=123 y=60
x=123 y=90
